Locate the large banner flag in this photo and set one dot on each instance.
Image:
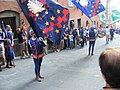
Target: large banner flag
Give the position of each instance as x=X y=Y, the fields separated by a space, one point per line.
x=89 y=7
x=46 y=17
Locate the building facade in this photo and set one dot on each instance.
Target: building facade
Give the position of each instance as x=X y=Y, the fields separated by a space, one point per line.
x=78 y=17
x=12 y=14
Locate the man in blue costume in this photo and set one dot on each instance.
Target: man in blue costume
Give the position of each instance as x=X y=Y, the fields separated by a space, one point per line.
x=8 y=44
x=37 y=46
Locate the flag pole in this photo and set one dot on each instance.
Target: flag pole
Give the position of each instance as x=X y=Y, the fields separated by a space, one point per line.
x=107 y=12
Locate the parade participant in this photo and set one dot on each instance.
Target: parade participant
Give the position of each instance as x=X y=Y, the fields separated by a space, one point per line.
x=11 y=44
x=8 y=43
x=92 y=39
x=37 y=45
x=109 y=62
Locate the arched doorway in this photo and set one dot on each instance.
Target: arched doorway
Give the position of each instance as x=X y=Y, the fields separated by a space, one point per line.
x=12 y=18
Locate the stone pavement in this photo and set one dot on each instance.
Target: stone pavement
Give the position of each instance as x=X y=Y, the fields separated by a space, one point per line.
x=65 y=70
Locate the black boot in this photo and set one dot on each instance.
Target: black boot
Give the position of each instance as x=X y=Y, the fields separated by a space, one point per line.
x=41 y=77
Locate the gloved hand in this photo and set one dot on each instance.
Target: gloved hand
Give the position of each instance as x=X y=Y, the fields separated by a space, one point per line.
x=40 y=38
x=9 y=41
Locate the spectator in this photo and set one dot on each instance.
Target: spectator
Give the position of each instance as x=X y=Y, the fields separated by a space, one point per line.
x=81 y=35
x=109 y=62
x=30 y=35
x=66 y=37
x=20 y=42
x=62 y=43
x=75 y=35
x=85 y=35
x=25 y=40
x=0 y=68
x=71 y=38
x=2 y=37
x=2 y=50
x=111 y=33
x=107 y=32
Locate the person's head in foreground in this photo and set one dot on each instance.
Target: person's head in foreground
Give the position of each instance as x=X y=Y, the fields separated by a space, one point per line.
x=109 y=62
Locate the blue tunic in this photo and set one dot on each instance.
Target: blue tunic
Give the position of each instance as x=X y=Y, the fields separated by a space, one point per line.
x=36 y=46
x=92 y=35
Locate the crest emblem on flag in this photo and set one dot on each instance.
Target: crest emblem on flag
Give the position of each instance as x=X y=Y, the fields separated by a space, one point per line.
x=83 y=2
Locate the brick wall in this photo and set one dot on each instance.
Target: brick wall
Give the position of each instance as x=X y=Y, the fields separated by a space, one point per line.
x=76 y=13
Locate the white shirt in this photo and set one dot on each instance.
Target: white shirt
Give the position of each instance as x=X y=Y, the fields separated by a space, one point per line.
x=107 y=30
x=71 y=37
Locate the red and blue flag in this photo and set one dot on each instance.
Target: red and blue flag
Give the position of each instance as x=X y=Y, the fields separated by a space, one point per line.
x=50 y=22
x=89 y=7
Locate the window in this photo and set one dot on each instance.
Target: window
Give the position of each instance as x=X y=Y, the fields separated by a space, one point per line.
x=79 y=23
x=82 y=13
x=10 y=21
x=70 y=4
x=87 y=23
x=72 y=24
x=94 y=22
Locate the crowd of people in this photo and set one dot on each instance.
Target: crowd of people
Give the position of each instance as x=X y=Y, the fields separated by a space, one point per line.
x=30 y=45
x=72 y=38
x=7 y=44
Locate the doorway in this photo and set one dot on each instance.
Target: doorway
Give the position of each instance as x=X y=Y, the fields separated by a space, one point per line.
x=12 y=22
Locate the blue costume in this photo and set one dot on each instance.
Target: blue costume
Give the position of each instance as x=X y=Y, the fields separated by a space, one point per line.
x=38 y=53
x=92 y=38
x=11 y=47
x=9 y=53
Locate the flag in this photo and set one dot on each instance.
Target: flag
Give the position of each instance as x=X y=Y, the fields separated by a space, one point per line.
x=103 y=18
x=89 y=7
x=114 y=17
x=50 y=22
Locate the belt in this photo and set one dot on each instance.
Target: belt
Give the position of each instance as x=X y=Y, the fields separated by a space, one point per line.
x=38 y=56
